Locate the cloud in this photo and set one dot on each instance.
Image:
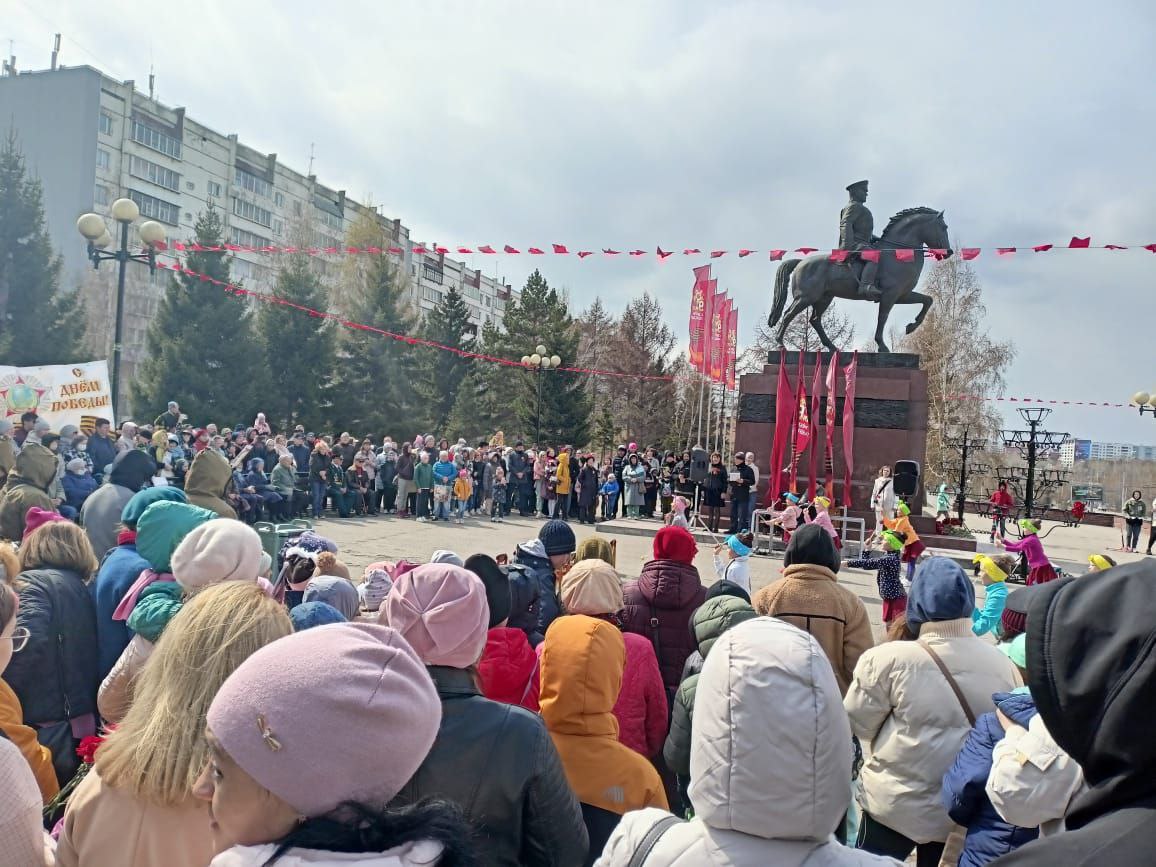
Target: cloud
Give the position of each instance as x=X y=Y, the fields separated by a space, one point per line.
x=731 y=124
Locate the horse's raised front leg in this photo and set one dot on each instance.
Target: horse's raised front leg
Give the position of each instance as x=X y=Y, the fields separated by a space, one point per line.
x=817 y=323
x=884 y=311
x=798 y=307
x=918 y=298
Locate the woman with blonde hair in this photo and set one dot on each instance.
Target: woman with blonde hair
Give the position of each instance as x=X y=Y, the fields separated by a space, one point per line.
x=136 y=806
x=56 y=676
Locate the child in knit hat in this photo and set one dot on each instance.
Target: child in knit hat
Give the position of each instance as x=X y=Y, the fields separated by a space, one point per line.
x=993 y=571
x=276 y=784
x=375 y=586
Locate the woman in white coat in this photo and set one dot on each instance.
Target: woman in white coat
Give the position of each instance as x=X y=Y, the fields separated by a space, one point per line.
x=770 y=762
x=883 y=497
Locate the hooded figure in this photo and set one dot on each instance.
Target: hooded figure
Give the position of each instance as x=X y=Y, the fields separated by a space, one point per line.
x=100 y=516
x=1092 y=674
x=27 y=486
x=207 y=482
x=582 y=663
x=770 y=760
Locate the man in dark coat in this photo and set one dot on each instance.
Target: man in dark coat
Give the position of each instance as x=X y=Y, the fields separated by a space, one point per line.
x=101 y=448
x=1092 y=672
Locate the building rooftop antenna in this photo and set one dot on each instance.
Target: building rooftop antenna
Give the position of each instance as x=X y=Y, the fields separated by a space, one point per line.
x=310 y=159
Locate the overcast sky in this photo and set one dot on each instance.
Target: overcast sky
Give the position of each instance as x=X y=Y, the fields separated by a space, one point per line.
x=710 y=125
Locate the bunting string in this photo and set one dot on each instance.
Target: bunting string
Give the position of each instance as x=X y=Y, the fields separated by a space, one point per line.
x=901 y=254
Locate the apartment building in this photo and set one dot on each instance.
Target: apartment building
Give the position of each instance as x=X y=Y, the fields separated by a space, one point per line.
x=1090 y=450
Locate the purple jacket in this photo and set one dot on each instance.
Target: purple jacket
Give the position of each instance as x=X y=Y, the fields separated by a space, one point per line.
x=667 y=592
x=1032 y=547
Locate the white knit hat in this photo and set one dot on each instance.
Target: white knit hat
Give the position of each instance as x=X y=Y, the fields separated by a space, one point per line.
x=220 y=550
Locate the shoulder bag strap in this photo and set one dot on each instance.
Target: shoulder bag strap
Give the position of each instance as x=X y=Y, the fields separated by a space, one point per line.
x=950 y=682
x=651 y=840
x=530 y=681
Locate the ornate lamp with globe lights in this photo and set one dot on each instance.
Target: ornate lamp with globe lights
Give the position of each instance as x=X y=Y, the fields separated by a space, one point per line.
x=540 y=362
x=1145 y=402
x=95 y=230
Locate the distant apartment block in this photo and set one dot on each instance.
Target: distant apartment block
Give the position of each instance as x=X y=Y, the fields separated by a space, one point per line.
x=1089 y=450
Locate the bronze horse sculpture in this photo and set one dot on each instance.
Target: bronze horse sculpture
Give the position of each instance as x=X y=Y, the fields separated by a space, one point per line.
x=816 y=281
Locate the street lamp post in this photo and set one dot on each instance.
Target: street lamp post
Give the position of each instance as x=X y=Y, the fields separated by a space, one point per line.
x=94 y=229
x=540 y=362
x=1029 y=443
x=1145 y=402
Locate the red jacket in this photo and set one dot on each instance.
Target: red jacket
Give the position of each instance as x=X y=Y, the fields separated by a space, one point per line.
x=509 y=669
x=668 y=592
x=641 y=708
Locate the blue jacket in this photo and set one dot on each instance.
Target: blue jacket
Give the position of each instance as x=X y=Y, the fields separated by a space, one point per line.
x=102 y=450
x=532 y=556
x=988 y=835
x=300 y=457
x=119 y=570
x=77 y=488
x=995 y=599
x=445 y=472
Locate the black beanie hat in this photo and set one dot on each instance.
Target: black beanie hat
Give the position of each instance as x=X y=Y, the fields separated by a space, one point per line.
x=557 y=537
x=496 y=583
x=812 y=544
x=726 y=588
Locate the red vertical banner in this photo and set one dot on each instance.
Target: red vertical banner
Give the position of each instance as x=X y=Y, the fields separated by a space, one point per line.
x=698 y=302
x=849 y=374
x=829 y=423
x=718 y=318
x=816 y=442
x=732 y=345
x=784 y=408
x=800 y=425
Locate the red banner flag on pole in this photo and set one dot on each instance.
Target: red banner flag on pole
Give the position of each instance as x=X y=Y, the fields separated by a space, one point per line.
x=698 y=302
x=784 y=404
x=849 y=374
x=816 y=442
x=719 y=315
x=732 y=345
x=829 y=422
x=800 y=425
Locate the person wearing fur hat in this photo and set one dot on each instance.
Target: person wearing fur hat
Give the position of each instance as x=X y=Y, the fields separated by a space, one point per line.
x=810 y=597
x=993 y=571
x=277 y=790
x=1040 y=569
x=887 y=570
x=593 y=588
x=135 y=807
x=508 y=669
x=659 y=605
x=527 y=815
x=922 y=692
x=736 y=567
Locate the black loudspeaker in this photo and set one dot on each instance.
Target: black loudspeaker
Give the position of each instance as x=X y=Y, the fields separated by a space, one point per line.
x=906 y=474
x=699 y=459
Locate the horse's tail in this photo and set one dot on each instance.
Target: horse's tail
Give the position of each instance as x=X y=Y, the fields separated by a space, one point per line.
x=782 y=278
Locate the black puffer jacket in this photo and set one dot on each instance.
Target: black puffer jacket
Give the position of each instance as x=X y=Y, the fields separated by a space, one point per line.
x=498 y=763
x=525 y=602
x=56 y=675
x=1092 y=671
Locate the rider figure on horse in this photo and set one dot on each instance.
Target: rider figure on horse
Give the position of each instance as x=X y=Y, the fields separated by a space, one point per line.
x=856 y=227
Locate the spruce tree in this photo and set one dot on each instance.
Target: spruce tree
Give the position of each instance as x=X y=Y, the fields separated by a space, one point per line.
x=201 y=347
x=39 y=324
x=373 y=389
x=481 y=407
x=298 y=349
x=542 y=316
x=440 y=372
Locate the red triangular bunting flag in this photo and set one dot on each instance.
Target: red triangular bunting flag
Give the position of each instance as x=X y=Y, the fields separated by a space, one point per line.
x=744 y=253
x=715 y=254
x=839 y=255
x=690 y=251
x=662 y=254
x=441 y=250
x=776 y=255
x=610 y=252
x=1114 y=247
x=1005 y=251
x=487 y=249
x=904 y=255
x=510 y=249
x=464 y=250
x=968 y=253
x=560 y=249
x=1151 y=248
x=637 y=252
x=868 y=255
x=373 y=251
x=534 y=251
x=806 y=250
x=1042 y=248
x=396 y=251
x=937 y=253
x=1078 y=243
x=419 y=250
x=582 y=254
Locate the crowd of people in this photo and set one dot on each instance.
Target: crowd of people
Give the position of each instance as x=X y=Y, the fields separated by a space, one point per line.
x=174 y=695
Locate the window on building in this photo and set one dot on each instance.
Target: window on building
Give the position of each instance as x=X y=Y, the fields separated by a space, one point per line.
x=155 y=139
x=253 y=184
x=214 y=189
x=278 y=227
x=189 y=185
x=431 y=294
x=331 y=220
x=157 y=174
x=156 y=209
x=279 y=199
x=252 y=212
x=103 y=159
x=241 y=269
x=432 y=272
x=100 y=195
x=297 y=209
x=106 y=123
x=248 y=239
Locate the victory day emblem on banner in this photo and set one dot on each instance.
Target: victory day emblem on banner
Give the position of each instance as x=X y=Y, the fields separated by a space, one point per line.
x=60 y=393
x=21 y=393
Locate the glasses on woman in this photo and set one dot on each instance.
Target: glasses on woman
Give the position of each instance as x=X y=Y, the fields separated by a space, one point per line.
x=19 y=638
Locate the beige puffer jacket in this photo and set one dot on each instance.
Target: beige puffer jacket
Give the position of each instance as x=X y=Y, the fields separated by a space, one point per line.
x=911 y=725
x=770 y=761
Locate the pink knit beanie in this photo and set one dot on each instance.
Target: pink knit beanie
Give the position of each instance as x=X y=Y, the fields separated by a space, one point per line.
x=441 y=610
x=276 y=716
